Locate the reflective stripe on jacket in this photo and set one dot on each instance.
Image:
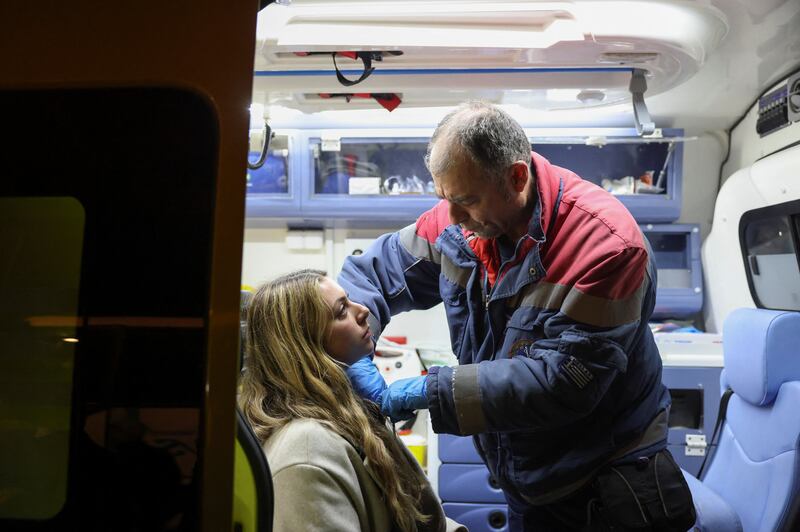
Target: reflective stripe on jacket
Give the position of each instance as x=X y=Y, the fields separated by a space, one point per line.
x=559 y=371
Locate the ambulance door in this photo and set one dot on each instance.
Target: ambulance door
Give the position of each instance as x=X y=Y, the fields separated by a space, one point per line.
x=122 y=172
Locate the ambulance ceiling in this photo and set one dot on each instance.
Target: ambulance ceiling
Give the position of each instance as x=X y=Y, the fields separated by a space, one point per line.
x=703 y=62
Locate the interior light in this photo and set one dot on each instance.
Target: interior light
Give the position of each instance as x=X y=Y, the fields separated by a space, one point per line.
x=472 y=25
x=591 y=96
x=70 y=340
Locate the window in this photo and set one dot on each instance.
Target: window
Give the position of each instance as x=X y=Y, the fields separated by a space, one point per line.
x=105 y=269
x=38 y=340
x=769 y=240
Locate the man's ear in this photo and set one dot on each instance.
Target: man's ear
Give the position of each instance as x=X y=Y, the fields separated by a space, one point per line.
x=519 y=175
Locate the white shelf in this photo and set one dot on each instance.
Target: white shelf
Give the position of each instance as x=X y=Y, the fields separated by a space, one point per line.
x=690 y=349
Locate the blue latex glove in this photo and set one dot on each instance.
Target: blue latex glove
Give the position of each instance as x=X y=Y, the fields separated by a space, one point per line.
x=403 y=397
x=366 y=379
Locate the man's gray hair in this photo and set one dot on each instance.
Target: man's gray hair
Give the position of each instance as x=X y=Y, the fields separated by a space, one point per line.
x=484 y=133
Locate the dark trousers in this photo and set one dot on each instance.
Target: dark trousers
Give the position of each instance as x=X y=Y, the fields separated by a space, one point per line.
x=642 y=494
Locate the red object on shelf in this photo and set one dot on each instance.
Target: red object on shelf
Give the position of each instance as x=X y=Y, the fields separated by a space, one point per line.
x=387 y=100
x=402 y=340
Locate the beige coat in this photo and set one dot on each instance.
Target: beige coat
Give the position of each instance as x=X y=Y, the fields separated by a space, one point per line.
x=321 y=483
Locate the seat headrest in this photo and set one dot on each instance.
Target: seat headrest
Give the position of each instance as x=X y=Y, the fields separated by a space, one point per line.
x=762 y=351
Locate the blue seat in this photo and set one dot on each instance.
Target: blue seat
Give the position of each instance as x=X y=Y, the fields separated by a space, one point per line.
x=753 y=480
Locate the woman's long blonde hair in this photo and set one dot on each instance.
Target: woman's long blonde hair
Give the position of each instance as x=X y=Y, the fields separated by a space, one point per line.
x=290 y=376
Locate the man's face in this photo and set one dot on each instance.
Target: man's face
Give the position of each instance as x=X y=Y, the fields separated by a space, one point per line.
x=478 y=203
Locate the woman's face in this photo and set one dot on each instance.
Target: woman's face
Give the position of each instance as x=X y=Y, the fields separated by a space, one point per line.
x=349 y=337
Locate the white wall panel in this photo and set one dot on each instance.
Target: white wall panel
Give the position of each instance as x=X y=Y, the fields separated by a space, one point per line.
x=267 y=256
x=767 y=182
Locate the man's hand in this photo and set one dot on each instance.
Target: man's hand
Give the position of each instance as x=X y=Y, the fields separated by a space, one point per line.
x=403 y=397
x=398 y=401
x=366 y=379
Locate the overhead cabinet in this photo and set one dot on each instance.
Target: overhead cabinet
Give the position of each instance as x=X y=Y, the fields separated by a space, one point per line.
x=346 y=175
x=380 y=175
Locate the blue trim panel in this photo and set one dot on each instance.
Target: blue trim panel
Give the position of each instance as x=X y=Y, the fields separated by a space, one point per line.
x=468 y=483
x=457 y=449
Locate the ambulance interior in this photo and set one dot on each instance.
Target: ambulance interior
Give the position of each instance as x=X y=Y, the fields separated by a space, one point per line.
x=129 y=221
x=686 y=111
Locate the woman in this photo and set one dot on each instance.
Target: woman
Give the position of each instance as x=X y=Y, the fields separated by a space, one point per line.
x=335 y=464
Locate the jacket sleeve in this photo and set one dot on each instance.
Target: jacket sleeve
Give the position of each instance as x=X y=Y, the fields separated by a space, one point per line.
x=559 y=363
x=309 y=498
x=398 y=272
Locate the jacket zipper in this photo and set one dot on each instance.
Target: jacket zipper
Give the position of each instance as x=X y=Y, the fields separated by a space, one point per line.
x=487 y=292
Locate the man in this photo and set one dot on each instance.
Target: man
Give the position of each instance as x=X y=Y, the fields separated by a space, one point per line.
x=548 y=288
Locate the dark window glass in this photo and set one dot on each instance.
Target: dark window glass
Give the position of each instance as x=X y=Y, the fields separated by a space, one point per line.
x=769 y=240
x=42 y=243
x=106 y=209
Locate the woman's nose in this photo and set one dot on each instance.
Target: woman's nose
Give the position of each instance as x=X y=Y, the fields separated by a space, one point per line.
x=362 y=313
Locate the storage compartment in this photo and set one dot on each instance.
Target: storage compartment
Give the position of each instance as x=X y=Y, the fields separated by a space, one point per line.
x=457 y=449
x=273 y=176
x=645 y=176
x=274 y=189
x=398 y=166
x=676 y=247
x=468 y=483
x=361 y=175
x=380 y=174
x=695 y=403
x=687 y=409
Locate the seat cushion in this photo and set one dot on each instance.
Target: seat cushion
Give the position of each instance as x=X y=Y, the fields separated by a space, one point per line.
x=713 y=513
x=762 y=351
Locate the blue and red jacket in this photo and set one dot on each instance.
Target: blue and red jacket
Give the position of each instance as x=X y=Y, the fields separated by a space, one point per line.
x=558 y=371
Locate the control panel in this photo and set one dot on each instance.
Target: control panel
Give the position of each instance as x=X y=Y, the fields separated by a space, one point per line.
x=773 y=111
x=793 y=97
